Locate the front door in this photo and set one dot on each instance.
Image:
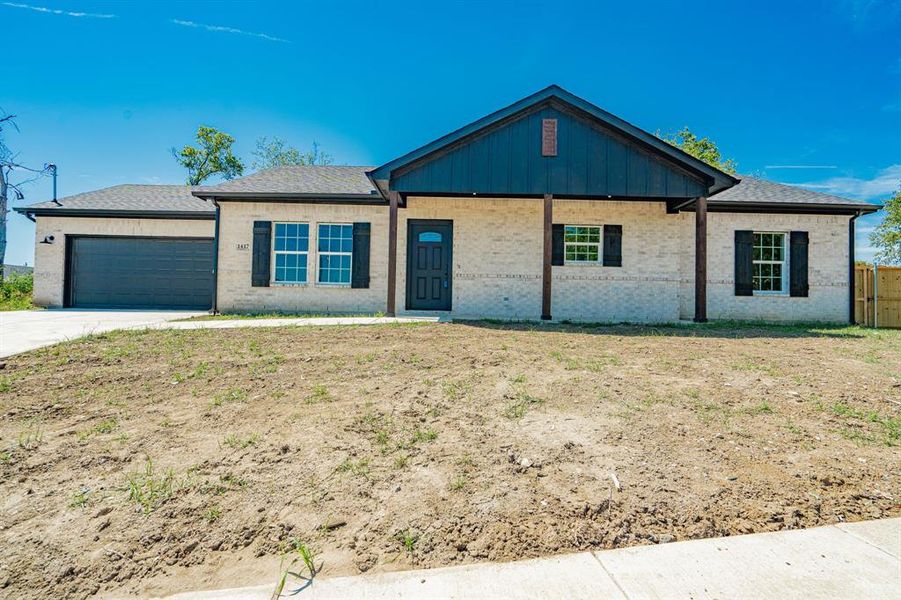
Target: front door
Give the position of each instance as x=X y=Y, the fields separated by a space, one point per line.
x=429 y=249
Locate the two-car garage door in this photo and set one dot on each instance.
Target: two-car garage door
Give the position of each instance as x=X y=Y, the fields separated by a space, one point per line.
x=133 y=272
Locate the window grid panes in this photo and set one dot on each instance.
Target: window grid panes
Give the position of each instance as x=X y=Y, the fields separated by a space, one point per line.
x=335 y=252
x=582 y=243
x=769 y=262
x=290 y=247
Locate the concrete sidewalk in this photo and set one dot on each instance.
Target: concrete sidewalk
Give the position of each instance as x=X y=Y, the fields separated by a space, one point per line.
x=856 y=560
x=21 y=331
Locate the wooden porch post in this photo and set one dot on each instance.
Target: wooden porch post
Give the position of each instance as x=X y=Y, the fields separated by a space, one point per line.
x=701 y=260
x=393 y=200
x=548 y=249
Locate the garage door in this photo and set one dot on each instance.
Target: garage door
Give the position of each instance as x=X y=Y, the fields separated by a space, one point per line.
x=108 y=272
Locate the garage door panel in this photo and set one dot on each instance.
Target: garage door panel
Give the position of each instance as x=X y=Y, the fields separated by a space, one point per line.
x=141 y=273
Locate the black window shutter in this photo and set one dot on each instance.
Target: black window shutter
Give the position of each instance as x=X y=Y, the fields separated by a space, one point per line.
x=744 y=260
x=557 y=247
x=798 y=264
x=613 y=245
x=359 y=278
x=262 y=244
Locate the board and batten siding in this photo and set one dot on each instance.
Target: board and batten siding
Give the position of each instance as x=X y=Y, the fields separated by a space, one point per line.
x=50 y=259
x=589 y=161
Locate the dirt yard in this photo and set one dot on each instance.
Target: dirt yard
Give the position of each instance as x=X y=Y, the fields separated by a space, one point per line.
x=146 y=463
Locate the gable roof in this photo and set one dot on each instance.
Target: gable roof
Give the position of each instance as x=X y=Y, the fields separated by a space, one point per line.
x=713 y=179
x=752 y=192
x=128 y=200
x=300 y=181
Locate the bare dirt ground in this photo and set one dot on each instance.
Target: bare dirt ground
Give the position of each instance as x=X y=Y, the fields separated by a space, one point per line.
x=146 y=463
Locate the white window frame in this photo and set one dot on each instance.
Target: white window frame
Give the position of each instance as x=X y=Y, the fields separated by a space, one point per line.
x=305 y=253
x=784 y=263
x=321 y=253
x=599 y=244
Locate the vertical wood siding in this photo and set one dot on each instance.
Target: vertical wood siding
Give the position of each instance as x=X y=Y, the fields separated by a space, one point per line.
x=507 y=160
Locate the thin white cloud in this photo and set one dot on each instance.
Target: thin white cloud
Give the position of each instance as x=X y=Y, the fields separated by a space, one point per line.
x=223 y=29
x=54 y=11
x=801 y=167
x=886 y=182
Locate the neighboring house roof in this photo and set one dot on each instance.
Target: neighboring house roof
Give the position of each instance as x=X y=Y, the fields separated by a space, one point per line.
x=713 y=179
x=135 y=200
x=301 y=181
x=17 y=270
x=757 y=194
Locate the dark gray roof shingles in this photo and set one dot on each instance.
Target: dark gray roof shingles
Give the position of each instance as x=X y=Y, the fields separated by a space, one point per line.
x=299 y=179
x=752 y=189
x=132 y=198
x=331 y=180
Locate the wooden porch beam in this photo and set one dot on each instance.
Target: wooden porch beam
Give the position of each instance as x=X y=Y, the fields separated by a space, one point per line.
x=548 y=249
x=701 y=260
x=393 y=201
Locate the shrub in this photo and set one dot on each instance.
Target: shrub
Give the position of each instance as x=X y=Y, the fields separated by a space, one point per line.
x=15 y=292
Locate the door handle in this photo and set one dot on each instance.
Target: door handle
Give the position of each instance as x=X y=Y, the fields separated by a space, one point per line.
x=445 y=284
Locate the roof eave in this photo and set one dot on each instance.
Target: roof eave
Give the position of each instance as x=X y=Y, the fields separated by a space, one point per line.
x=263 y=196
x=133 y=214
x=793 y=207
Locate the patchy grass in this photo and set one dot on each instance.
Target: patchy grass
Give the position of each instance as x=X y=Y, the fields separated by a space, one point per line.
x=357 y=468
x=430 y=445
x=274 y=315
x=237 y=442
x=520 y=404
x=319 y=393
x=149 y=488
x=230 y=395
x=889 y=427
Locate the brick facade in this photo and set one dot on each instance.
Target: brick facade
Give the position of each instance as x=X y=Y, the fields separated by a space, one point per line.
x=827 y=269
x=235 y=294
x=497 y=260
x=50 y=259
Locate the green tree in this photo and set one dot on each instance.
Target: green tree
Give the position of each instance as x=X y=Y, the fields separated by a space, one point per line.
x=277 y=153
x=887 y=236
x=213 y=156
x=704 y=149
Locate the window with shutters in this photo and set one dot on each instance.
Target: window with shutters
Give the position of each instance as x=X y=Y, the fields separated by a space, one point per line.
x=582 y=244
x=770 y=263
x=290 y=247
x=335 y=253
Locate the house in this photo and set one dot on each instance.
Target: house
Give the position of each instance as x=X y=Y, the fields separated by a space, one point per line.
x=548 y=208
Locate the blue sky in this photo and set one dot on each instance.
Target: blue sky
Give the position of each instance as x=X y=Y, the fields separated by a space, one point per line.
x=797 y=92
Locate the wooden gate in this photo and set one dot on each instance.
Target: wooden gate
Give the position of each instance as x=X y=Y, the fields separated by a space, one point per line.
x=877 y=296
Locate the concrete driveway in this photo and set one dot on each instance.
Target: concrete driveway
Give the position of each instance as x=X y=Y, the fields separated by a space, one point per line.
x=25 y=330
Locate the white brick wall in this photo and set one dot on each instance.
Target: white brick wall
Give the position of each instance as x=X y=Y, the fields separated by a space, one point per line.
x=50 y=259
x=827 y=268
x=644 y=288
x=235 y=294
x=497 y=256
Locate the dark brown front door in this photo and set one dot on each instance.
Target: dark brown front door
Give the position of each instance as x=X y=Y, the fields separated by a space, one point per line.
x=429 y=250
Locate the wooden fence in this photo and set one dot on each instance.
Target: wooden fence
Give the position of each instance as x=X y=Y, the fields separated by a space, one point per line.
x=877 y=296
